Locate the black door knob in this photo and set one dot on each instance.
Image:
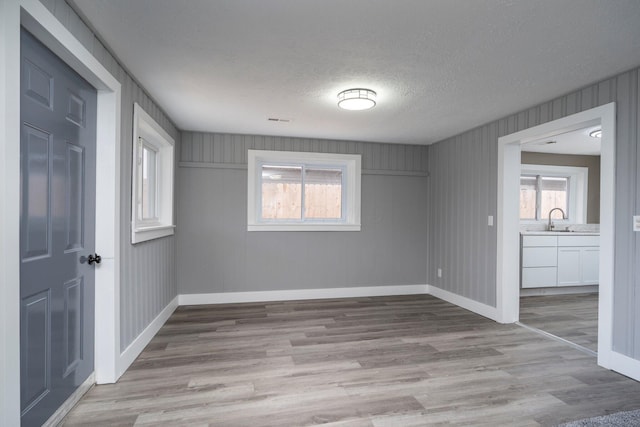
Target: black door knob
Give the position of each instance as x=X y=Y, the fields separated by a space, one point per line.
x=94 y=258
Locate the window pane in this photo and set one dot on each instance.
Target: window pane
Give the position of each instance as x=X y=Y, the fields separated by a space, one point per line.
x=149 y=169
x=323 y=193
x=528 y=197
x=554 y=194
x=281 y=192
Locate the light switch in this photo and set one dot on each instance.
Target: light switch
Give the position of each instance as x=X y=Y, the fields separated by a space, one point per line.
x=636 y=223
x=490 y=220
x=439 y=272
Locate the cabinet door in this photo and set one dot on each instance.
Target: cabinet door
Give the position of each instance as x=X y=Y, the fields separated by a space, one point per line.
x=569 y=267
x=539 y=277
x=539 y=257
x=590 y=264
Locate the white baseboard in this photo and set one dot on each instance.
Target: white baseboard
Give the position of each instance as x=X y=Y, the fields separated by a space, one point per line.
x=466 y=303
x=364 y=291
x=562 y=290
x=300 y=294
x=625 y=365
x=135 y=348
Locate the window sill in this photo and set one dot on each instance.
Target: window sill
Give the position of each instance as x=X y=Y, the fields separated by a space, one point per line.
x=303 y=227
x=145 y=233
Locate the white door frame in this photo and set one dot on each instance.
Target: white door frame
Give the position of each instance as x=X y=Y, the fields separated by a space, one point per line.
x=508 y=260
x=35 y=17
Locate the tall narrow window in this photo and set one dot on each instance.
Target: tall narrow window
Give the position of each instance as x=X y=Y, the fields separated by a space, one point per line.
x=152 y=183
x=291 y=191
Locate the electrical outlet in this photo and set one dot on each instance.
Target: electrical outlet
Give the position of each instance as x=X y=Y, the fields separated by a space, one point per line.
x=636 y=223
x=490 y=220
x=439 y=272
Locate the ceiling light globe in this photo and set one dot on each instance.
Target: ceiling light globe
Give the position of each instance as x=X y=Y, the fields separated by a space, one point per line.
x=357 y=99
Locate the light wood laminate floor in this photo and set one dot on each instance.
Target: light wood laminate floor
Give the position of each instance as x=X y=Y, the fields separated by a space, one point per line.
x=385 y=361
x=572 y=317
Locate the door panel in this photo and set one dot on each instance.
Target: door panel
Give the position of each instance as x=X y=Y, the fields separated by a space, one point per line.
x=75 y=198
x=35 y=193
x=36 y=328
x=57 y=231
x=73 y=320
x=38 y=84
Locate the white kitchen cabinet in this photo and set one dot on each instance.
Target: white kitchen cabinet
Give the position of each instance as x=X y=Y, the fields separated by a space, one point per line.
x=578 y=266
x=569 y=267
x=540 y=257
x=539 y=277
x=539 y=261
x=591 y=266
x=559 y=260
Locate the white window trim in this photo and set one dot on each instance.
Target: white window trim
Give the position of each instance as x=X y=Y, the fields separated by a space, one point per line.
x=351 y=163
x=578 y=190
x=147 y=129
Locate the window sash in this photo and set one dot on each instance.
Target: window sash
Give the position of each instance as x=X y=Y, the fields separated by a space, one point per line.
x=149 y=169
x=538 y=186
x=303 y=167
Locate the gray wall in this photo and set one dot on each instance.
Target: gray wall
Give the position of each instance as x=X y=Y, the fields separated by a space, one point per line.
x=147 y=270
x=458 y=234
x=461 y=197
x=592 y=163
x=217 y=254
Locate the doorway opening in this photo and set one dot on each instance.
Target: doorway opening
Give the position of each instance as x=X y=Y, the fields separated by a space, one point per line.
x=559 y=212
x=508 y=224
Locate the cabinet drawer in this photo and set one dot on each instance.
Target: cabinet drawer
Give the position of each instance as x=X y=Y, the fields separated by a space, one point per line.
x=539 y=257
x=578 y=240
x=534 y=241
x=540 y=277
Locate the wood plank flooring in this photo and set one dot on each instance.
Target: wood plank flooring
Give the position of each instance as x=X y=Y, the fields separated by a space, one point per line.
x=572 y=317
x=387 y=361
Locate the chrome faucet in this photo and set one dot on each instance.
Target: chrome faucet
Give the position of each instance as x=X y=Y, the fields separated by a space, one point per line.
x=551 y=226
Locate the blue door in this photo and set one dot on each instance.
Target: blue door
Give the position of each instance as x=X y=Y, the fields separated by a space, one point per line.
x=57 y=231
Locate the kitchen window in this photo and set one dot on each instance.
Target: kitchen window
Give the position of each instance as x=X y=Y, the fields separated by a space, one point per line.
x=298 y=191
x=543 y=188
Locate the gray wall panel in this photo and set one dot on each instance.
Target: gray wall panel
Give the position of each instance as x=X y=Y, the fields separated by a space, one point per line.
x=217 y=254
x=147 y=270
x=226 y=149
x=460 y=241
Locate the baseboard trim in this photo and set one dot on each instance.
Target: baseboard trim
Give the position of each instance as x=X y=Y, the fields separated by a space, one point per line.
x=464 y=302
x=364 y=291
x=625 y=365
x=134 y=349
x=300 y=294
x=562 y=290
x=67 y=406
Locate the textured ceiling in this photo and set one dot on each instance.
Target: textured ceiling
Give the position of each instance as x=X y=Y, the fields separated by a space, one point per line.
x=573 y=142
x=439 y=66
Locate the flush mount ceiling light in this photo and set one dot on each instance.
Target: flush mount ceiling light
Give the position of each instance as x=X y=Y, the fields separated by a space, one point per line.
x=357 y=99
x=596 y=133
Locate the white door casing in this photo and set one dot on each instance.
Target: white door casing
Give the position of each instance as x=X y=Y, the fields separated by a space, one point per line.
x=508 y=225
